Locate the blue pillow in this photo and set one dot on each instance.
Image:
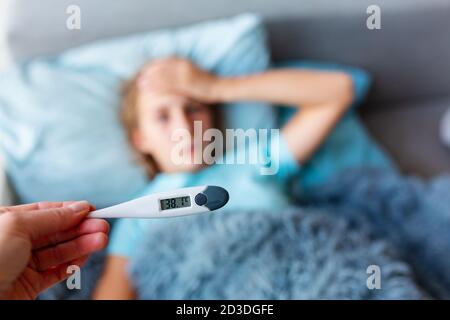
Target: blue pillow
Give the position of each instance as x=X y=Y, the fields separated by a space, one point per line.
x=349 y=144
x=59 y=126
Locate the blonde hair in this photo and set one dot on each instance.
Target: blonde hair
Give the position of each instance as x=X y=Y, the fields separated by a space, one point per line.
x=129 y=119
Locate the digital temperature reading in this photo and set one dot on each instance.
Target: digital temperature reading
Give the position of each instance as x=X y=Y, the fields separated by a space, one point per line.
x=174 y=203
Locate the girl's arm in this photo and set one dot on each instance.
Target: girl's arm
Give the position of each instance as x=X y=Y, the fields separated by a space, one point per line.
x=322 y=97
x=114 y=284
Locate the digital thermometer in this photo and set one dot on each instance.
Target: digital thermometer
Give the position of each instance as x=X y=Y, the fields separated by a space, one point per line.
x=175 y=203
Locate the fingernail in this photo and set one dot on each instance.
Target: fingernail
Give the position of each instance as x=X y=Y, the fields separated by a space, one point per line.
x=79 y=206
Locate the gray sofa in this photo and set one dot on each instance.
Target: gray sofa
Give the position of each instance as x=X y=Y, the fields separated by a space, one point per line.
x=409 y=57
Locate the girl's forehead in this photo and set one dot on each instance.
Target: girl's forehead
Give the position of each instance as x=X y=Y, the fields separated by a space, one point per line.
x=153 y=99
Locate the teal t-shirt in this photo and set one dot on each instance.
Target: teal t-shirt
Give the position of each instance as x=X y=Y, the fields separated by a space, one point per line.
x=246 y=184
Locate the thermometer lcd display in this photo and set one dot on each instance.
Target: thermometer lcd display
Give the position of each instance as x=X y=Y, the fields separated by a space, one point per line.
x=174 y=203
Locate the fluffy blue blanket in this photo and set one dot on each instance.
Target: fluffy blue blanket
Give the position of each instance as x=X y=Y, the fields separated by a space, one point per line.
x=412 y=215
x=319 y=249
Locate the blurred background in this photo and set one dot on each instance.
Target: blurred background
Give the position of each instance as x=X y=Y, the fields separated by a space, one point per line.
x=4 y=59
x=4 y=54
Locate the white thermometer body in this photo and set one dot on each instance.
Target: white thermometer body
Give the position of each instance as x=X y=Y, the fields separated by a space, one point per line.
x=175 y=203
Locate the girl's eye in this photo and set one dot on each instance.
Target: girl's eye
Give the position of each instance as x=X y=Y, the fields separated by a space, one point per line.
x=193 y=109
x=163 y=117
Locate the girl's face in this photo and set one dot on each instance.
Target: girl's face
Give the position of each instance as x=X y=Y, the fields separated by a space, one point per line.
x=159 y=116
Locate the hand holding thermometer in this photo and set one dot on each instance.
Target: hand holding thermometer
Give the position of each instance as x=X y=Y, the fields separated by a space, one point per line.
x=175 y=203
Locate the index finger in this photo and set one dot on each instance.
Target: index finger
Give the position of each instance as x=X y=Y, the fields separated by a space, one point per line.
x=44 y=222
x=27 y=207
x=38 y=206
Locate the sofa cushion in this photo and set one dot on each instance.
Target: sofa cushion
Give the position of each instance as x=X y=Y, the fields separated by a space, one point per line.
x=409 y=131
x=5 y=191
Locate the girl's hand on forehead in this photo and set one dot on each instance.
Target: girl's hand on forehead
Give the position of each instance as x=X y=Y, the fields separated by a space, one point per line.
x=179 y=76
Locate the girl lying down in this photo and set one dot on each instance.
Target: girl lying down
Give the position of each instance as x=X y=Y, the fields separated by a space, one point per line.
x=173 y=93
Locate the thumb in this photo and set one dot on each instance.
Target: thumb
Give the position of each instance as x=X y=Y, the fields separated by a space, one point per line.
x=45 y=222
